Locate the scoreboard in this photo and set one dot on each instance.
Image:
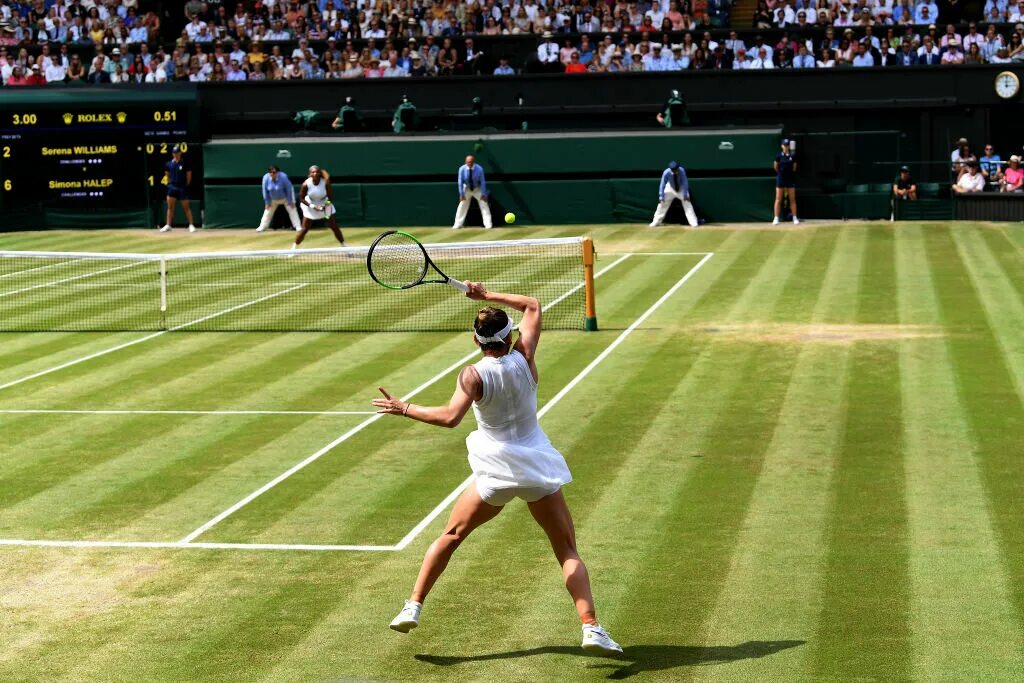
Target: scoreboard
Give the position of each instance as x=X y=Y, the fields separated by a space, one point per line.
x=81 y=152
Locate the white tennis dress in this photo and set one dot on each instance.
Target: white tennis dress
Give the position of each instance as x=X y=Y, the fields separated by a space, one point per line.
x=316 y=194
x=509 y=450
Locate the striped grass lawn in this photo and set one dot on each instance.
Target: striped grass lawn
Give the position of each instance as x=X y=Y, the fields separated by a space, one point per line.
x=806 y=464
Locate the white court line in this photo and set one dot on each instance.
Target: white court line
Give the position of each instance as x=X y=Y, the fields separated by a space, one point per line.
x=33 y=411
x=349 y=434
x=195 y=546
x=147 y=338
x=29 y=270
x=663 y=253
x=425 y=522
x=71 y=279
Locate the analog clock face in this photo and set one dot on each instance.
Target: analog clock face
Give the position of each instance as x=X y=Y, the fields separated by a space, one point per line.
x=1007 y=85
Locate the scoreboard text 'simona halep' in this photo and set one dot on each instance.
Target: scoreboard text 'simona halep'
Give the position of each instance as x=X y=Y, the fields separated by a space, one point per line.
x=75 y=149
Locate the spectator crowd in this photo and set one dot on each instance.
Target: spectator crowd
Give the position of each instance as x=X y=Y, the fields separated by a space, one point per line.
x=122 y=41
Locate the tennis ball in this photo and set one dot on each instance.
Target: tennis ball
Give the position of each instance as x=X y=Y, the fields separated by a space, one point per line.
x=510 y=218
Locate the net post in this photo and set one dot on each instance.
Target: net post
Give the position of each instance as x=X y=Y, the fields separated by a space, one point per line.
x=590 y=322
x=163 y=292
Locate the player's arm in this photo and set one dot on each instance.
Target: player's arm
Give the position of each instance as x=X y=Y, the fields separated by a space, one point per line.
x=302 y=194
x=330 y=192
x=188 y=177
x=529 y=327
x=467 y=389
x=776 y=165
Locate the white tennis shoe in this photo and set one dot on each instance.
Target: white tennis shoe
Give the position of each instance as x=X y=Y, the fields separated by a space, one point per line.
x=166 y=228
x=408 y=618
x=597 y=641
x=191 y=228
x=796 y=221
x=775 y=221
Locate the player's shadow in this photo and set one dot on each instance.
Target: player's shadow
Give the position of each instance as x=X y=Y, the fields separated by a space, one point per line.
x=639 y=658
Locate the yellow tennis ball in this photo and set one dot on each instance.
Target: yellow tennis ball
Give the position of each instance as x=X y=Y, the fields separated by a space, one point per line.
x=510 y=218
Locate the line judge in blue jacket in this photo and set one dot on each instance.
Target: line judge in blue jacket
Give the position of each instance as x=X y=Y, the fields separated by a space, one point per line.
x=674 y=185
x=472 y=185
x=278 y=191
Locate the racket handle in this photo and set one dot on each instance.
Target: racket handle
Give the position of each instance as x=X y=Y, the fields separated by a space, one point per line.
x=461 y=286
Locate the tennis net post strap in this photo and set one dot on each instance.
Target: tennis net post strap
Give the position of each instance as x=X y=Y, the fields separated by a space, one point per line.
x=283 y=290
x=590 y=319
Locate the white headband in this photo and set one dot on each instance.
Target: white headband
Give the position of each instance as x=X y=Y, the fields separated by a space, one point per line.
x=499 y=337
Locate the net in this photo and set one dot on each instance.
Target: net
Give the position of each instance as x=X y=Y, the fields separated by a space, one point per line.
x=307 y=290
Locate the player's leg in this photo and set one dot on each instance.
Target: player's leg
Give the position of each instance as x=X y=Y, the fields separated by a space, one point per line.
x=662 y=210
x=301 y=234
x=171 y=203
x=188 y=214
x=792 y=204
x=470 y=511
x=778 y=205
x=552 y=514
x=462 y=211
x=334 y=228
x=485 y=208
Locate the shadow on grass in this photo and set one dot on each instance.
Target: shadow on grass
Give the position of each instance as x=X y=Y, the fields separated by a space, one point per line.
x=641 y=657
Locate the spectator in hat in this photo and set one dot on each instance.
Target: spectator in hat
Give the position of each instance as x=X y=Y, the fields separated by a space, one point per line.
x=677 y=61
x=960 y=155
x=953 y=54
x=352 y=69
x=35 y=76
x=674 y=185
x=903 y=187
x=418 y=69
x=970 y=181
x=1013 y=177
x=547 y=54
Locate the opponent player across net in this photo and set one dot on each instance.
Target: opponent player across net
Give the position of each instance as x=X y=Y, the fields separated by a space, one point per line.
x=509 y=453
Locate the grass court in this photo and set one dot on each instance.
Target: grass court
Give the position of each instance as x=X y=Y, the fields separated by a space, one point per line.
x=797 y=456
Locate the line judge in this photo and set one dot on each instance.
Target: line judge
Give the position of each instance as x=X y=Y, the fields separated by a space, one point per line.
x=278 y=191
x=472 y=185
x=674 y=185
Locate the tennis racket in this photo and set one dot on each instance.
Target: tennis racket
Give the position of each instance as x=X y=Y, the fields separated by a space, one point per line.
x=397 y=260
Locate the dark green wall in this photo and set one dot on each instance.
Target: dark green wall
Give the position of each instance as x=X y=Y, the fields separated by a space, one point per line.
x=407 y=157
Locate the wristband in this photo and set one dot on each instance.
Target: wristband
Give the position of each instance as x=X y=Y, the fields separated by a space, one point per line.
x=405 y=413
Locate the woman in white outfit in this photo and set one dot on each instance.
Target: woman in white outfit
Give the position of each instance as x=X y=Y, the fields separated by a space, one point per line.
x=315 y=199
x=509 y=454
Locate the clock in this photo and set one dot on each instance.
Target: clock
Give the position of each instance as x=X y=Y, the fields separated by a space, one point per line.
x=1007 y=85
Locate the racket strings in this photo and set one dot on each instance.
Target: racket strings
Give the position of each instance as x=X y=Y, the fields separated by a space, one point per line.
x=398 y=261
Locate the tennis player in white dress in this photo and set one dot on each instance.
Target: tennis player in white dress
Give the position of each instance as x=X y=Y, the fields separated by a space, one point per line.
x=317 y=203
x=509 y=453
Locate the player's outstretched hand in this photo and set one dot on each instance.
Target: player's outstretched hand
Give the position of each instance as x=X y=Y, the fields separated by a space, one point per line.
x=477 y=291
x=389 y=404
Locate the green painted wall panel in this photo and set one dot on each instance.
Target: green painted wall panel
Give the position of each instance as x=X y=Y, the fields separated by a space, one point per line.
x=409 y=157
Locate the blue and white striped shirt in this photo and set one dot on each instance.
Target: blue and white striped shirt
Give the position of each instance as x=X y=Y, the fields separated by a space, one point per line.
x=680 y=183
x=279 y=189
x=471 y=180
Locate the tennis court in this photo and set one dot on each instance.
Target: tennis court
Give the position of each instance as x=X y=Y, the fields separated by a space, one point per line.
x=231 y=496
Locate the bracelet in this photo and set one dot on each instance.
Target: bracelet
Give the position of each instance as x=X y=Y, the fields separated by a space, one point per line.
x=405 y=412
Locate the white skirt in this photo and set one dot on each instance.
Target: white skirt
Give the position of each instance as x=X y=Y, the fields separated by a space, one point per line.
x=315 y=215
x=532 y=462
